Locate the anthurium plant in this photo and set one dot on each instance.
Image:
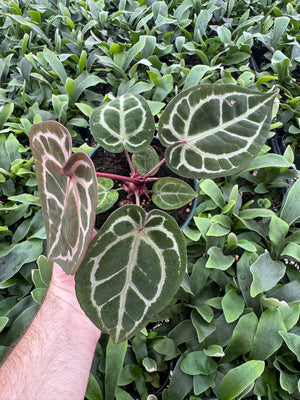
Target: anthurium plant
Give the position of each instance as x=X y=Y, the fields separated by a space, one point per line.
x=135 y=264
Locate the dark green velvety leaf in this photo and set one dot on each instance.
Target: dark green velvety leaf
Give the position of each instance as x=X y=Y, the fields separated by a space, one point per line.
x=124 y=123
x=132 y=269
x=215 y=130
x=68 y=192
x=144 y=161
x=171 y=193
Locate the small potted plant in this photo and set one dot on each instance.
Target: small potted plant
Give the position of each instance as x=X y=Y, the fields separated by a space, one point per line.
x=134 y=265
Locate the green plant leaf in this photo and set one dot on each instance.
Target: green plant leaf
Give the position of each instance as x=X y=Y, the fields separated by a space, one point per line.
x=144 y=161
x=242 y=337
x=45 y=269
x=107 y=196
x=218 y=260
x=238 y=379
x=125 y=123
x=171 y=193
x=267 y=339
x=210 y=188
x=214 y=130
x=277 y=232
x=63 y=181
x=266 y=273
x=5 y=112
x=214 y=351
x=293 y=342
x=131 y=249
x=180 y=383
x=166 y=346
x=202 y=383
x=268 y=161
x=93 y=391
x=290 y=211
x=122 y=395
x=233 y=305
x=18 y=255
x=115 y=354
x=33 y=27
x=198 y=362
x=3 y=322
x=292 y=250
x=56 y=64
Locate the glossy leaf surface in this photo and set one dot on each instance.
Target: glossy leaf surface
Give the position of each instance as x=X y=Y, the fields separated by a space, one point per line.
x=214 y=130
x=132 y=269
x=68 y=191
x=124 y=123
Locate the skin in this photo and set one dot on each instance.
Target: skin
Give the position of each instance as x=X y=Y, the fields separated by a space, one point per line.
x=53 y=358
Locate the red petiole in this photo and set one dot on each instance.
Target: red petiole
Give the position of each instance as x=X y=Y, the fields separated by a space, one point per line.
x=135 y=183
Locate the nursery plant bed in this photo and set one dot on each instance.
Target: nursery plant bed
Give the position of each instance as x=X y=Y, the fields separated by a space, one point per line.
x=105 y=161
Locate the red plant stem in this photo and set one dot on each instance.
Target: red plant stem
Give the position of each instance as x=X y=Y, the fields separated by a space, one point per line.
x=126 y=178
x=154 y=169
x=119 y=177
x=129 y=161
x=137 y=199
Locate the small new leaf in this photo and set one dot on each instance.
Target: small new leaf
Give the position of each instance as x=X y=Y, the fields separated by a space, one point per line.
x=172 y=193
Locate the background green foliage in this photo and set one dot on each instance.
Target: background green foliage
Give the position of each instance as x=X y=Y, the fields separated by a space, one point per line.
x=60 y=60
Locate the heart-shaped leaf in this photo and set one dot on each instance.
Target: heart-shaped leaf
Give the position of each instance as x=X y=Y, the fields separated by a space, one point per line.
x=132 y=269
x=214 y=130
x=68 y=191
x=124 y=123
x=107 y=196
x=172 y=193
x=145 y=160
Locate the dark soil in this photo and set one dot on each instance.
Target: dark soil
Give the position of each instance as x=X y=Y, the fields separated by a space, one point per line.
x=116 y=163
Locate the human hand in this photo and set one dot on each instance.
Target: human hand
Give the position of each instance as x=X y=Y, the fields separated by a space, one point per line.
x=62 y=286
